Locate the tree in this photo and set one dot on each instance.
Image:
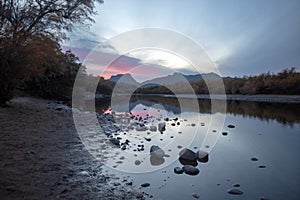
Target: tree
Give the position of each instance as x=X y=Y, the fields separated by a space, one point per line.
x=25 y=23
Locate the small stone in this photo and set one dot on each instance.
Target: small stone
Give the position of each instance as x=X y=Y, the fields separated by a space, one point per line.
x=231 y=126
x=156 y=151
x=236 y=185
x=115 y=141
x=202 y=156
x=178 y=170
x=235 y=191
x=137 y=162
x=162 y=127
x=193 y=124
x=123 y=147
x=224 y=133
x=262 y=166
x=173 y=124
x=254 y=159
x=84 y=173
x=145 y=184
x=196 y=195
x=129 y=183
x=148 y=139
x=153 y=128
x=190 y=170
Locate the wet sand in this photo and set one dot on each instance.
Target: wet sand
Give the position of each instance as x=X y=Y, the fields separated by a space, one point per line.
x=42 y=157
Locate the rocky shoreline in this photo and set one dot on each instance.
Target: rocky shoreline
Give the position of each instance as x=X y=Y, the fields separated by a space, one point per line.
x=42 y=157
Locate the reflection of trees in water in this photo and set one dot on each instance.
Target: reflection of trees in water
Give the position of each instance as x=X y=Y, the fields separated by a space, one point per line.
x=281 y=112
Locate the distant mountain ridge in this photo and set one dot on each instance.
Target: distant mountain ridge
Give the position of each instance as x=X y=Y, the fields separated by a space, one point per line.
x=165 y=80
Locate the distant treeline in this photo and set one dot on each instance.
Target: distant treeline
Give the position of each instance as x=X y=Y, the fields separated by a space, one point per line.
x=284 y=82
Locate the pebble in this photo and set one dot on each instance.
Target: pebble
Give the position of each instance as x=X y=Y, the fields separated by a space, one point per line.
x=254 y=159
x=178 y=170
x=235 y=191
x=162 y=127
x=190 y=170
x=153 y=128
x=115 y=141
x=156 y=151
x=224 y=133
x=196 y=195
x=137 y=162
x=262 y=166
x=145 y=184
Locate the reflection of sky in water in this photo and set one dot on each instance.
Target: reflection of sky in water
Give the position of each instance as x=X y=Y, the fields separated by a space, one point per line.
x=275 y=145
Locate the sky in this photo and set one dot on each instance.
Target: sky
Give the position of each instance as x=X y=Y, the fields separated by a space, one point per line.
x=240 y=37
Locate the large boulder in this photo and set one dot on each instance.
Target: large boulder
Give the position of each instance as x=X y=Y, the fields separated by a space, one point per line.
x=187 y=154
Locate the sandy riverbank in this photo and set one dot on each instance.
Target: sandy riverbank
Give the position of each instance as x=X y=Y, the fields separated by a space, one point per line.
x=42 y=157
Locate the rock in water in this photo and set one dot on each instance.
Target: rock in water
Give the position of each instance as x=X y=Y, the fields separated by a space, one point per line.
x=190 y=170
x=202 y=156
x=115 y=141
x=153 y=128
x=196 y=195
x=254 y=159
x=145 y=184
x=187 y=154
x=235 y=192
x=156 y=155
x=178 y=170
x=188 y=162
x=231 y=126
x=157 y=151
x=162 y=127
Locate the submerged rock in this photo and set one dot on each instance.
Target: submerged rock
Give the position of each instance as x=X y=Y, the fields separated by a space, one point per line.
x=178 y=170
x=156 y=155
x=190 y=170
x=187 y=154
x=235 y=191
x=202 y=156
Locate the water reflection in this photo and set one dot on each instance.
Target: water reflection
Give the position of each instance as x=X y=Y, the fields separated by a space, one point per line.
x=283 y=113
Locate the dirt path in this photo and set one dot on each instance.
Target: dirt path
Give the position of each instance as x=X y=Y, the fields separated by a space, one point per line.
x=42 y=157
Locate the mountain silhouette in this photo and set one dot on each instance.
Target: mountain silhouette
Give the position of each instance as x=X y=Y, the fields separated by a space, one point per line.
x=174 y=78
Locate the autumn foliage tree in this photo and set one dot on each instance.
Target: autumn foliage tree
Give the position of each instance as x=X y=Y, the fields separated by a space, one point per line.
x=30 y=32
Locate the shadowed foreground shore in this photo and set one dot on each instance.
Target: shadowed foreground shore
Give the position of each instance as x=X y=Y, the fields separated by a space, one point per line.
x=42 y=157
